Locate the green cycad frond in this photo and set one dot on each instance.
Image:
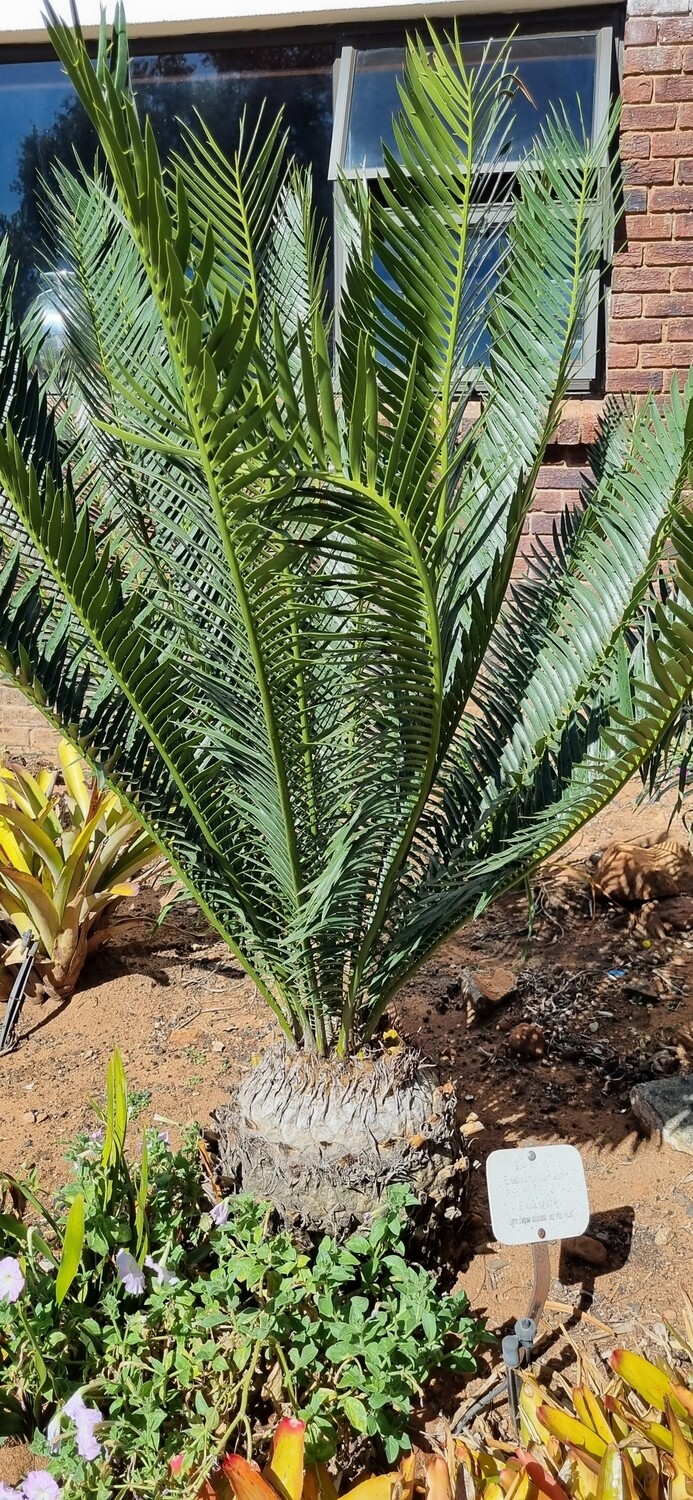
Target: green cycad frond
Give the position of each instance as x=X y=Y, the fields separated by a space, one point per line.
x=274 y=603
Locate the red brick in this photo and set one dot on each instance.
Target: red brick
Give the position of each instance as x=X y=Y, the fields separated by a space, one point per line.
x=653 y=60
x=668 y=306
x=686 y=110
x=635 y=381
x=667 y=357
x=668 y=255
x=641 y=31
x=640 y=279
x=650 y=226
x=558 y=477
x=632 y=257
x=671 y=200
x=626 y=305
x=623 y=357
x=682 y=279
x=683 y=227
x=635 y=146
x=679 y=143
x=569 y=431
x=648 y=117
x=548 y=502
x=540 y=524
x=685 y=170
x=680 y=329
x=687 y=60
x=647 y=173
x=637 y=90
x=673 y=29
x=636 y=331
x=635 y=201
x=673 y=88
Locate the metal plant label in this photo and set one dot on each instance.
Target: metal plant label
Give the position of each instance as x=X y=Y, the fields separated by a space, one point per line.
x=537 y=1193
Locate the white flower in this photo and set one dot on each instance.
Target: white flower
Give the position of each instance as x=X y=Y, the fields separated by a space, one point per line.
x=86 y=1419
x=220 y=1213
x=40 y=1485
x=164 y=1277
x=7 y=1493
x=72 y=1408
x=131 y=1275
x=12 y=1281
x=53 y=1434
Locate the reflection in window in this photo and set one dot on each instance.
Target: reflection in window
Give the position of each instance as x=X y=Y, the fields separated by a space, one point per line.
x=553 y=70
x=42 y=122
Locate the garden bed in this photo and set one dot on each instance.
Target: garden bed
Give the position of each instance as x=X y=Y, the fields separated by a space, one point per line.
x=187 y=1022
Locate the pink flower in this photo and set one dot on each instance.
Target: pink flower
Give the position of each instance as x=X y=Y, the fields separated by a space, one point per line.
x=11 y=1279
x=86 y=1419
x=7 y=1493
x=40 y=1485
x=220 y=1213
x=164 y=1277
x=131 y=1275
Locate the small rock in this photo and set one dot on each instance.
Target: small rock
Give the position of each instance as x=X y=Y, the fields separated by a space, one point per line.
x=665 y=1062
x=641 y=990
x=217 y=1046
x=30 y=1117
x=485 y=989
x=662 y=1236
x=585 y=1247
x=593 y=1026
x=664 y=1106
x=185 y=1036
x=527 y=1040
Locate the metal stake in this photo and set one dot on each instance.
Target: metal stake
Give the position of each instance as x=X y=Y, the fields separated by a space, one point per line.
x=8 y=1039
x=518 y=1347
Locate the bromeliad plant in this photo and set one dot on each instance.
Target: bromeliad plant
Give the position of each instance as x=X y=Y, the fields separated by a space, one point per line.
x=266 y=583
x=67 y=857
x=630 y=1438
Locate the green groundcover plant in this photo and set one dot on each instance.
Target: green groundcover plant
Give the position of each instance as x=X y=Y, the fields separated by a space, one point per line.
x=140 y=1314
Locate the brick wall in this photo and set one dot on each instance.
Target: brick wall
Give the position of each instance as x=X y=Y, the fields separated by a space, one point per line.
x=651 y=324
x=650 y=308
x=650 y=331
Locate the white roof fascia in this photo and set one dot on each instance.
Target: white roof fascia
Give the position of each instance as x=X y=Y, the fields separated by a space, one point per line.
x=21 y=21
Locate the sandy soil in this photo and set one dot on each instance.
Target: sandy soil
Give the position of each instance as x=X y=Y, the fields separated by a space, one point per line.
x=188 y=1021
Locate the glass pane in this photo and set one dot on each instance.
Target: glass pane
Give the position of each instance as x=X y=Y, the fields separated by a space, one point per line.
x=555 y=71
x=484 y=266
x=42 y=122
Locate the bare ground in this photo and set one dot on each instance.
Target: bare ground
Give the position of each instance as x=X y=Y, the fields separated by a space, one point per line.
x=188 y=1021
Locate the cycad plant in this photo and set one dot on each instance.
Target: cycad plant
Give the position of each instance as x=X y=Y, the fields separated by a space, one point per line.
x=262 y=576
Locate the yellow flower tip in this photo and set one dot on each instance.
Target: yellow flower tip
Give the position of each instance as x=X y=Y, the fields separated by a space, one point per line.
x=245 y=1479
x=284 y=1471
x=438 y=1480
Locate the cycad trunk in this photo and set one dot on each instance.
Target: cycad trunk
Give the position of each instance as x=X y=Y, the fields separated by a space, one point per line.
x=322 y=1140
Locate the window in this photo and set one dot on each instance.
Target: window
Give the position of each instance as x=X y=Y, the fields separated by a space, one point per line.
x=572 y=69
x=338 y=89
x=42 y=122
